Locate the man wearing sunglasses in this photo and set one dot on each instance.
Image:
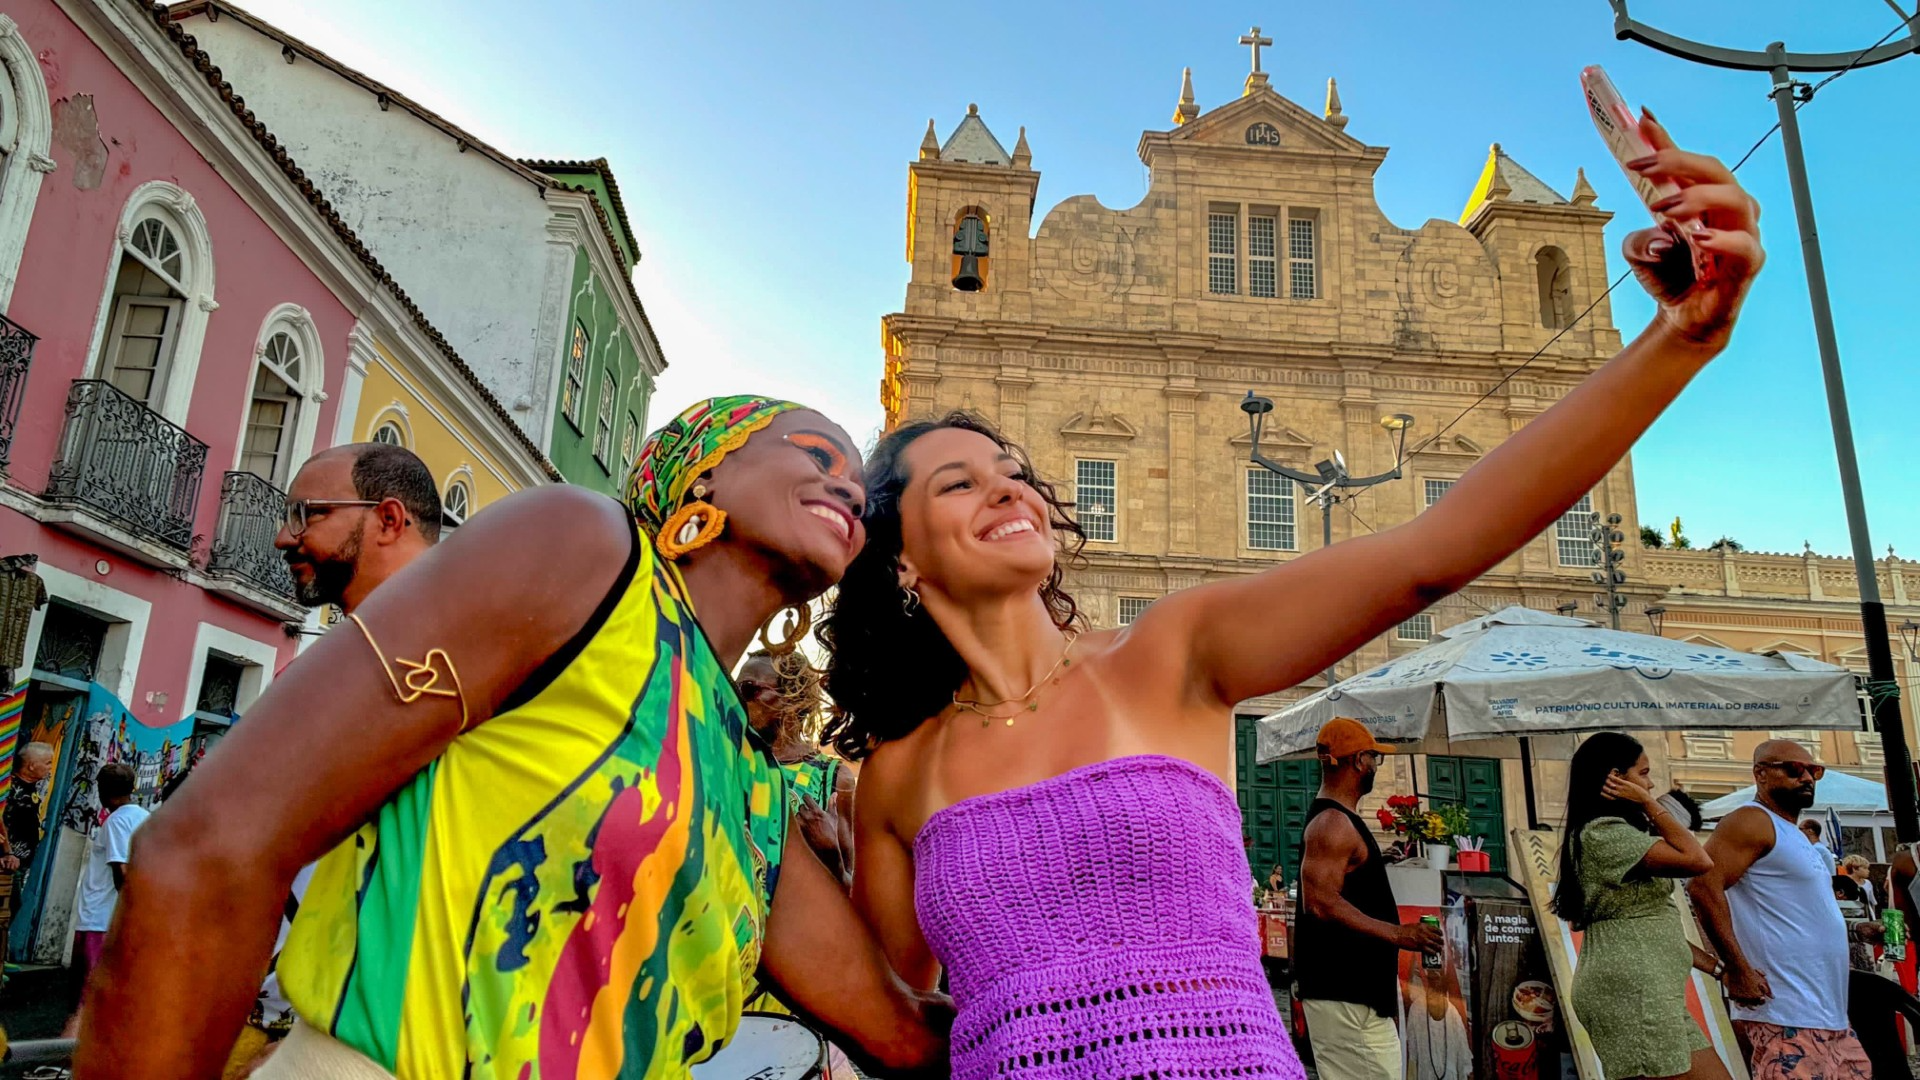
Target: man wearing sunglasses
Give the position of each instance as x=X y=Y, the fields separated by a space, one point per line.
x=1767 y=906
x=356 y=515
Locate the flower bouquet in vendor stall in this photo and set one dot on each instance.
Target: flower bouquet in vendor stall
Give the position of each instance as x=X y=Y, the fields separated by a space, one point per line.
x=1423 y=831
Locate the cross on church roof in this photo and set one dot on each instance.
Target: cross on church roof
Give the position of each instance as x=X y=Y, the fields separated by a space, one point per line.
x=1254 y=39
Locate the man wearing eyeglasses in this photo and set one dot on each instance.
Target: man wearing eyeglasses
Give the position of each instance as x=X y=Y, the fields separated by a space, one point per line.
x=356 y=515
x=1767 y=906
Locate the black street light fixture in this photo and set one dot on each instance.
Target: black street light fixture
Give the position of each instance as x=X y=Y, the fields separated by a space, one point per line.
x=1788 y=93
x=1568 y=608
x=1657 y=618
x=1607 y=538
x=1910 y=637
x=1329 y=481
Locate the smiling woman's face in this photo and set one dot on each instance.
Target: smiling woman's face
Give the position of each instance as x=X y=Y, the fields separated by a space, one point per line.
x=970 y=524
x=793 y=493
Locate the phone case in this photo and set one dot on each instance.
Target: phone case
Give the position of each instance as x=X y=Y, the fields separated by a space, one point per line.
x=1620 y=129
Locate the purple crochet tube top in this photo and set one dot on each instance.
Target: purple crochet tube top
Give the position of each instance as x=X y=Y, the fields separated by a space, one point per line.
x=1100 y=924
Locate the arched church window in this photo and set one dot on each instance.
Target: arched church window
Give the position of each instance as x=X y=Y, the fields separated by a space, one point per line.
x=1555 y=279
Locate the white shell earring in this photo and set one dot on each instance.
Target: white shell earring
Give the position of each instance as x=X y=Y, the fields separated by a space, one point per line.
x=689 y=531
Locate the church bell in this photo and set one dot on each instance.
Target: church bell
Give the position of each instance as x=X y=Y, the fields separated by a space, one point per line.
x=967 y=277
x=970 y=254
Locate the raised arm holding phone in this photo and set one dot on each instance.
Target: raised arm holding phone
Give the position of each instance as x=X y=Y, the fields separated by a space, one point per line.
x=994 y=723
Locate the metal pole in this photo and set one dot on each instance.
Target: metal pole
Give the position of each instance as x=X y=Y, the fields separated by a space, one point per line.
x=1326 y=541
x=1526 y=780
x=1873 y=614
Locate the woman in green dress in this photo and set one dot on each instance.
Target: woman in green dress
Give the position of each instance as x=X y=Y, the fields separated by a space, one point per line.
x=1622 y=852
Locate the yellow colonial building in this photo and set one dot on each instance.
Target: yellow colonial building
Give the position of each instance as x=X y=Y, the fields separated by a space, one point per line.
x=414 y=392
x=1118 y=344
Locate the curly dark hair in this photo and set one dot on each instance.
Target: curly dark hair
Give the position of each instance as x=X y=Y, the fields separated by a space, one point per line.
x=890 y=669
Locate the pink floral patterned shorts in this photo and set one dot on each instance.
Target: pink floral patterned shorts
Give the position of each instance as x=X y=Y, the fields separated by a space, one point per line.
x=1787 y=1053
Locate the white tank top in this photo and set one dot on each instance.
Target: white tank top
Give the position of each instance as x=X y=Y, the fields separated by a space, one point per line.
x=1791 y=929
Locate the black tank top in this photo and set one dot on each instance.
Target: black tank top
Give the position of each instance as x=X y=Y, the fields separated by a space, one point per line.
x=1333 y=963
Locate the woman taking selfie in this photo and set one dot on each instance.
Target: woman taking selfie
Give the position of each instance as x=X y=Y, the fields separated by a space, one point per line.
x=551 y=842
x=1622 y=852
x=1044 y=809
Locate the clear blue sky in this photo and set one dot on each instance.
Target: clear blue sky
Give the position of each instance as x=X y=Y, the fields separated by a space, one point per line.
x=762 y=151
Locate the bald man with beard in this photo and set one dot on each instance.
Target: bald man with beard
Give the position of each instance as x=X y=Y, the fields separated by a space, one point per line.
x=1767 y=905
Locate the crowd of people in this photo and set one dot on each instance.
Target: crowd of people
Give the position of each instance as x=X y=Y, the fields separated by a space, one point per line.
x=1797 y=966
x=532 y=810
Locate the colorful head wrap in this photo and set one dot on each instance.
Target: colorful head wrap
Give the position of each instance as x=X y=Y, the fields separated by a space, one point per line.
x=688 y=446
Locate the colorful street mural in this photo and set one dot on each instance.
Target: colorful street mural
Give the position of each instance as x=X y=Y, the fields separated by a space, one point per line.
x=86 y=732
x=111 y=735
x=88 y=728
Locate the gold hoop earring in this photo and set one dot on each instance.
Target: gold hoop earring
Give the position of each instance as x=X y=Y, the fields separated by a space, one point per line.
x=799 y=621
x=694 y=525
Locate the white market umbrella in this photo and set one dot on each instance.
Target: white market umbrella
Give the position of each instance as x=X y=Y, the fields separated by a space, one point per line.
x=1841 y=793
x=1525 y=672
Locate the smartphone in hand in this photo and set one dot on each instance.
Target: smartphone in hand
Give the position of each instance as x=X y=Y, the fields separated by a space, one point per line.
x=1620 y=129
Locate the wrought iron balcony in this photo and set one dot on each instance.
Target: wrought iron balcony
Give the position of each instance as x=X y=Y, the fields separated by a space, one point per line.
x=16 y=354
x=250 y=514
x=123 y=462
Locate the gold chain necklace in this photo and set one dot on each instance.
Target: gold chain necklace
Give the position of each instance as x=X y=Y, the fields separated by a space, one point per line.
x=1027 y=700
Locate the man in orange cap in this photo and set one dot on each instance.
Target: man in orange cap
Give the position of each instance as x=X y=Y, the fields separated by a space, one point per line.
x=1348 y=938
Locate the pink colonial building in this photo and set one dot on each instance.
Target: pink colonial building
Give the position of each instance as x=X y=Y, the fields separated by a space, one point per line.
x=178 y=318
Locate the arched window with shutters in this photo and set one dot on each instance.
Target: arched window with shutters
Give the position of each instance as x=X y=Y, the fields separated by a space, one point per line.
x=153 y=317
x=283 y=409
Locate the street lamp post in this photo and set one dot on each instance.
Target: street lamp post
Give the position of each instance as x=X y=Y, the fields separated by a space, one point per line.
x=1787 y=93
x=1329 y=481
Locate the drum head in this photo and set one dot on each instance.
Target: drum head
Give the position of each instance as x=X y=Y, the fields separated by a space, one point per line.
x=767 y=1047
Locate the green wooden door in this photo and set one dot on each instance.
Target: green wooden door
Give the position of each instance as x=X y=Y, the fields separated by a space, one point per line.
x=1474 y=782
x=1273 y=805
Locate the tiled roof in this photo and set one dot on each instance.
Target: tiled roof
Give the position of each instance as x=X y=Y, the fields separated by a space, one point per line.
x=533 y=170
x=599 y=165
x=1527 y=187
x=164 y=18
x=384 y=94
x=605 y=171
x=972 y=142
x=1506 y=180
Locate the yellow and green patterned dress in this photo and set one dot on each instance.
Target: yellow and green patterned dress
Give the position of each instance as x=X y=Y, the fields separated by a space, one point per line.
x=811 y=777
x=576 y=887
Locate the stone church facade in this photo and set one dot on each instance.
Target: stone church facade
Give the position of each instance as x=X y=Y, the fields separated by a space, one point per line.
x=1118 y=344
